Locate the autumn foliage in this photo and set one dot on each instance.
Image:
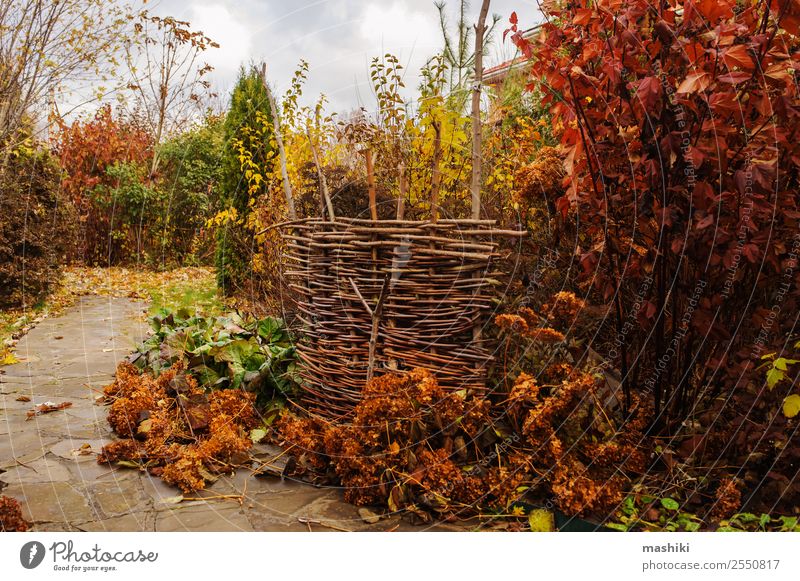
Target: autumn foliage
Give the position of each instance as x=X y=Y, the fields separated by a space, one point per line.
x=678 y=126
x=86 y=150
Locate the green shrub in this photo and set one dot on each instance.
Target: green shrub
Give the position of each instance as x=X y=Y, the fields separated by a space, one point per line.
x=234 y=243
x=190 y=174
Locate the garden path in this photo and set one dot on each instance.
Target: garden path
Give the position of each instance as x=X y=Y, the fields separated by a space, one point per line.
x=48 y=463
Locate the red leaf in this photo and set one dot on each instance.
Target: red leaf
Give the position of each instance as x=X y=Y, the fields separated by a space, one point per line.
x=705 y=222
x=713 y=10
x=738 y=56
x=583 y=16
x=751 y=252
x=695 y=83
x=522 y=44
x=734 y=78
x=694 y=51
x=695 y=156
x=562 y=205
x=778 y=71
x=648 y=91
x=513 y=18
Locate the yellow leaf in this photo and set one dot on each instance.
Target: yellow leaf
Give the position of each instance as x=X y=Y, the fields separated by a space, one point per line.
x=541 y=521
x=791 y=406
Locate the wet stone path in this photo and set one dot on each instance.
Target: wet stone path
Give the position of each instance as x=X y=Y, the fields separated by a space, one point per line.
x=48 y=463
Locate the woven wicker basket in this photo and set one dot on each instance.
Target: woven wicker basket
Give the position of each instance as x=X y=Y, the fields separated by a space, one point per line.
x=383 y=295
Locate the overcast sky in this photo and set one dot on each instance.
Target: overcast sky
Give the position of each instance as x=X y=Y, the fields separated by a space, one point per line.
x=337 y=38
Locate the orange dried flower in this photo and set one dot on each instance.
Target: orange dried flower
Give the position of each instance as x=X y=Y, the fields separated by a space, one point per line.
x=169 y=446
x=525 y=390
x=126 y=449
x=237 y=405
x=530 y=316
x=512 y=323
x=542 y=175
x=728 y=499
x=440 y=474
x=186 y=471
x=11 y=519
x=546 y=335
x=564 y=307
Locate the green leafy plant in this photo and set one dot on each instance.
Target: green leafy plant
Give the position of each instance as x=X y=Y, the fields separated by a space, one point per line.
x=648 y=512
x=223 y=352
x=745 y=521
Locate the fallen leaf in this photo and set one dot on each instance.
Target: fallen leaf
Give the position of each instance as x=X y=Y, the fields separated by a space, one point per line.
x=48 y=407
x=791 y=406
x=257 y=435
x=196 y=409
x=714 y=10
x=368 y=516
x=23 y=398
x=144 y=427
x=541 y=520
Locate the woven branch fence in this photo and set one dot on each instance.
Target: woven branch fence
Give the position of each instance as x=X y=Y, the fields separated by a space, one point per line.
x=383 y=295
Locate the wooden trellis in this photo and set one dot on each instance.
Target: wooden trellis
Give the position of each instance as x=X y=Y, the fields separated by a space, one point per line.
x=380 y=295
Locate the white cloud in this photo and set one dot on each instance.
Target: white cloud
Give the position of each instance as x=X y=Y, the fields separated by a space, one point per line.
x=338 y=38
x=229 y=30
x=396 y=27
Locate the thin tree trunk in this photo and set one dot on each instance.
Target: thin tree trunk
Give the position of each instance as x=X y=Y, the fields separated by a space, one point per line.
x=475 y=185
x=276 y=125
x=156 y=143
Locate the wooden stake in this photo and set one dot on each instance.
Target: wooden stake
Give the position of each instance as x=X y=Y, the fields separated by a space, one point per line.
x=276 y=126
x=475 y=184
x=323 y=183
x=436 y=179
x=403 y=185
x=375 y=314
x=373 y=201
x=376 y=321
